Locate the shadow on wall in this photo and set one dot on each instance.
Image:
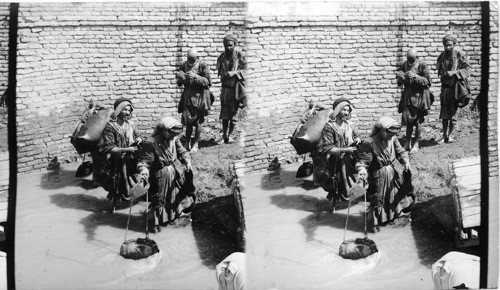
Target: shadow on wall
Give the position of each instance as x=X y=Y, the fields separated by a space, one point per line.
x=215 y=225
x=432 y=239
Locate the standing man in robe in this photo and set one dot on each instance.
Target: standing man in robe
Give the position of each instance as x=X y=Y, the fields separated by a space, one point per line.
x=452 y=66
x=195 y=103
x=416 y=99
x=231 y=66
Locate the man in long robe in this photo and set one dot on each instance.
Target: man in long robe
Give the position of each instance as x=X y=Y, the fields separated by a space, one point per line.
x=194 y=75
x=116 y=150
x=231 y=66
x=452 y=66
x=416 y=99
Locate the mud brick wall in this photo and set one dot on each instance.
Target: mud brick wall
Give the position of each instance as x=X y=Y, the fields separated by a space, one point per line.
x=4 y=46
x=493 y=92
x=70 y=53
x=352 y=51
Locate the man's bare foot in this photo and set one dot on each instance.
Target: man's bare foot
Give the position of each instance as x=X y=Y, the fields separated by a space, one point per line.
x=194 y=149
x=414 y=149
x=451 y=139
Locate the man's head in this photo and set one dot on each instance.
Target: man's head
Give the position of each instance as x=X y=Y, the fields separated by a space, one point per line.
x=449 y=42
x=123 y=108
x=230 y=42
x=192 y=56
x=411 y=55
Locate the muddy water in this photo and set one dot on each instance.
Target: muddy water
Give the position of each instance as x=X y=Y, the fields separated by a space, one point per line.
x=293 y=242
x=65 y=239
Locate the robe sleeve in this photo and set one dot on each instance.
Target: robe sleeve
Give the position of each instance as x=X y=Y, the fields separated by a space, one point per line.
x=182 y=153
x=424 y=78
x=203 y=77
x=146 y=155
x=327 y=141
x=242 y=66
x=401 y=153
x=108 y=139
x=463 y=67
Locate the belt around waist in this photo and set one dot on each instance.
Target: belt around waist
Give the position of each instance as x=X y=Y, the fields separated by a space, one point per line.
x=228 y=87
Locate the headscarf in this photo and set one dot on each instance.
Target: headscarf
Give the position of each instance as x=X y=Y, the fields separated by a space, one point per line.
x=230 y=37
x=167 y=124
x=386 y=123
x=120 y=104
x=450 y=37
x=339 y=104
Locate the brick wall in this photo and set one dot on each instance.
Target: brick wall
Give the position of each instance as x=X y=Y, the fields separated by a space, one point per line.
x=352 y=52
x=69 y=53
x=493 y=92
x=4 y=46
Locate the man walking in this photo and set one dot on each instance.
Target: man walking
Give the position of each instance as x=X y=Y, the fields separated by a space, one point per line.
x=416 y=99
x=230 y=67
x=195 y=103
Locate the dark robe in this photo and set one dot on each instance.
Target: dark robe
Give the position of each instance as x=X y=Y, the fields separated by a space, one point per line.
x=416 y=99
x=161 y=157
x=332 y=171
x=447 y=62
x=195 y=99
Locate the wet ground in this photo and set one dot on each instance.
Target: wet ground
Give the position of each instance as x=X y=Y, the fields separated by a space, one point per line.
x=66 y=239
x=293 y=241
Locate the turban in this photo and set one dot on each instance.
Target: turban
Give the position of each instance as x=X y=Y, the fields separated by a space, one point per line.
x=386 y=123
x=339 y=104
x=230 y=37
x=120 y=104
x=168 y=124
x=450 y=37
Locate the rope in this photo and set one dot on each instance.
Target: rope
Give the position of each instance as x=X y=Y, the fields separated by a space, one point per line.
x=128 y=219
x=147 y=213
x=366 y=234
x=347 y=219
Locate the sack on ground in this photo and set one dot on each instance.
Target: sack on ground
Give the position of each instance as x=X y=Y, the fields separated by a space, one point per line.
x=307 y=136
x=230 y=273
x=85 y=169
x=456 y=270
x=357 y=249
x=138 y=249
x=305 y=169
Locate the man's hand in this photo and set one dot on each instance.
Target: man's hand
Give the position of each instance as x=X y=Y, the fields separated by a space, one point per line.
x=190 y=75
x=400 y=75
x=189 y=166
x=411 y=74
x=349 y=149
x=231 y=73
